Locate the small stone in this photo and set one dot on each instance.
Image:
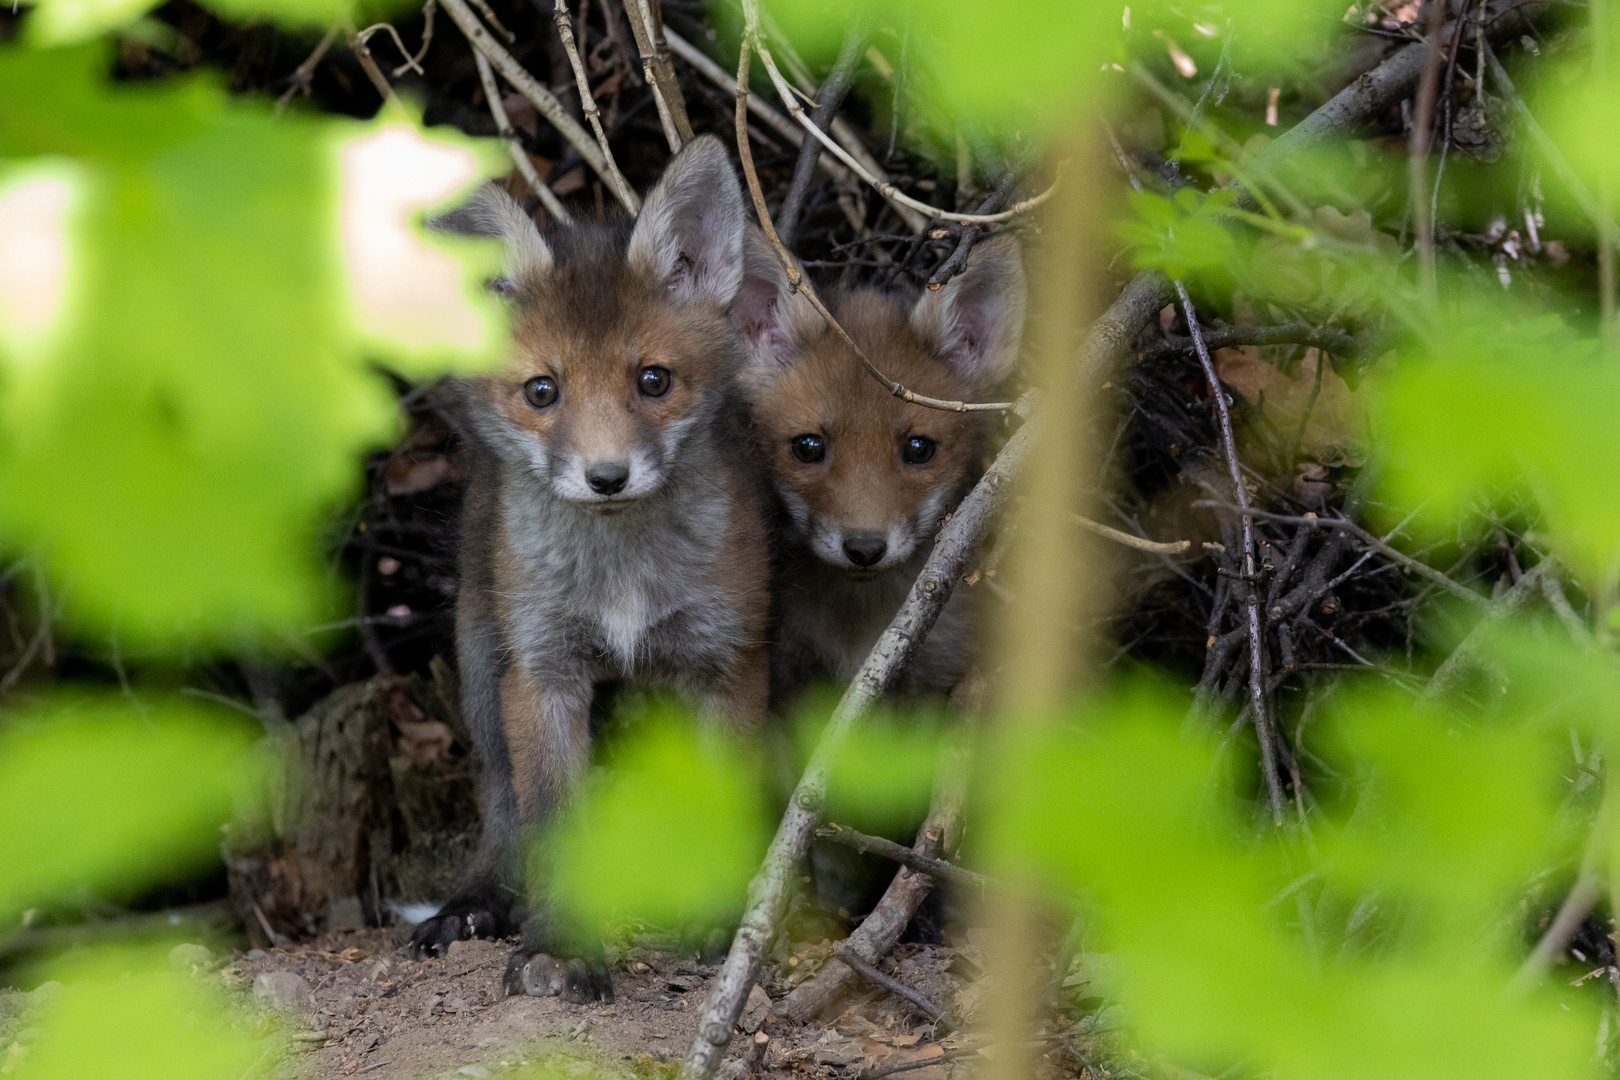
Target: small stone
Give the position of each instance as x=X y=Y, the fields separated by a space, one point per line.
x=190 y=958
x=282 y=990
x=474 y=1070
x=458 y=950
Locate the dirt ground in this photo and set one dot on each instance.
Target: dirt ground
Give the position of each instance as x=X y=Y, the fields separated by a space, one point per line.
x=355 y=1005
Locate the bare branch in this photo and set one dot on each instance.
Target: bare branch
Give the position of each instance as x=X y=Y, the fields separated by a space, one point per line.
x=503 y=125
x=300 y=79
x=1153 y=547
x=368 y=64
x=833 y=90
x=646 y=24
x=909 y=857
x=541 y=98
x=587 y=101
x=1226 y=337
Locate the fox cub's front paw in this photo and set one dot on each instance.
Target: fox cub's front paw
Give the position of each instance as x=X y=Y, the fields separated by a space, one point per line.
x=539 y=974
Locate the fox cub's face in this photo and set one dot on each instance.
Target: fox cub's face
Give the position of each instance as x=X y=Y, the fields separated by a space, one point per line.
x=619 y=350
x=864 y=475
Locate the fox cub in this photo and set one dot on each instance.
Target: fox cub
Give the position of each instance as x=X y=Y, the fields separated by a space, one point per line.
x=863 y=476
x=613 y=527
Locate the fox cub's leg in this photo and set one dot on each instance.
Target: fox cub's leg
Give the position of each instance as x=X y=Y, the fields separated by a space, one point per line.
x=483 y=905
x=547 y=723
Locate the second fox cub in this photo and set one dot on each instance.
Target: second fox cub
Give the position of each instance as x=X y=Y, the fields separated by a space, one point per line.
x=865 y=477
x=613 y=528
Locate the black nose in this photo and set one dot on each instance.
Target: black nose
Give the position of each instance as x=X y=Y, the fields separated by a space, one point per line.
x=865 y=548
x=607 y=477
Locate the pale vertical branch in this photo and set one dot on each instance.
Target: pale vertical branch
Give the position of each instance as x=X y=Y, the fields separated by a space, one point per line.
x=587 y=103
x=1418 y=150
x=503 y=125
x=647 y=25
x=368 y=64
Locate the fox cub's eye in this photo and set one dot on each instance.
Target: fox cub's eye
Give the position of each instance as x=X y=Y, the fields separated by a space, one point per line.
x=808 y=448
x=918 y=450
x=654 y=381
x=540 y=391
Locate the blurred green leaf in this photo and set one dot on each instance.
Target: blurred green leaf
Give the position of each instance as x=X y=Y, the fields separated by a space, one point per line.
x=881 y=776
x=190 y=396
x=1141 y=821
x=122 y=1013
x=66 y=22
x=670 y=834
x=1498 y=405
x=97 y=796
x=1180 y=235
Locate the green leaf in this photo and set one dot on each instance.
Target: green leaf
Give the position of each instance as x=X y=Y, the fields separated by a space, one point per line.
x=121 y=1012
x=177 y=422
x=670 y=834
x=99 y=797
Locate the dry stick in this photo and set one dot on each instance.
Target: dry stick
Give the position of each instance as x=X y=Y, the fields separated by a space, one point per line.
x=970 y=233
x=1226 y=337
x=908 y=857
x=1418 y=148
x=888 y=190
x=1465 y=657
x=362 y=53
x=1549 y=150
x=305 y=72
x=660 y=75
x=503 y=126
x=1173 y=547
x=587 y=101
x=1257 y=673
x=881 y=929
x=770 y=117
x=1576 y=906
x=833 y=90
x=919 y=1063
x=1404 y=560
x=892 y=985
x=541 y=98
x=797 y=281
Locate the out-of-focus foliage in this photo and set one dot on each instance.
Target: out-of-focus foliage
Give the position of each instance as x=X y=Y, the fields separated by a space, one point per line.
x=122 y=1013
x=188 y=394
x=669 y=833
x=1500 y=404
x=1446 y=824
x=97 y=796
x=61 y=22
x=881 y=774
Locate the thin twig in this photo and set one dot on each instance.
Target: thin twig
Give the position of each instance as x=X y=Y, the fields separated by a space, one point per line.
x=1154 y=547
x=833 y=89
x=1257 y=674
x=1418 y=149
x=541 y=98
x=303 y=74
x=920 y=1063
x=758 y=106
x=587 y=103
x=410 y=63
x=797 y=281
x=888 y=190
x=1226 y=337
x=1549 y=150
x=1576 y=906
x=888 y=849
x=970 y=233
x=368 y=64
x=503 y=125
x=892 y=985
x=1394 y=555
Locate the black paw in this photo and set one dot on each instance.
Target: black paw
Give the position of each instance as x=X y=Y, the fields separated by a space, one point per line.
x=432 y=937
x=538 y=974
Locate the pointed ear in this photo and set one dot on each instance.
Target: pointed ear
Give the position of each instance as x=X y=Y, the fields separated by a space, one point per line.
x=975 y=321
x=772 y=321
x=492 y=212
x=689 y=234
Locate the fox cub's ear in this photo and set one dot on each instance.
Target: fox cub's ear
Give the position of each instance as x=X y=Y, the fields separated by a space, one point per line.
x=974 y=323
x=492 y=212
x=772 y=321
x=689 y=234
